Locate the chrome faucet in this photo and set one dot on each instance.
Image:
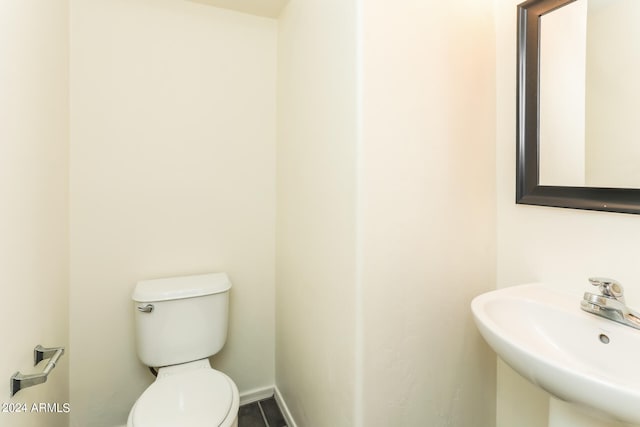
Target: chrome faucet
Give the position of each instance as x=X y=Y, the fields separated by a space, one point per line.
x=610 y=302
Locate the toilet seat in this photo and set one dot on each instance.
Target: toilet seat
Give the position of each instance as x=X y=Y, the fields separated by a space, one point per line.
x=196 y=398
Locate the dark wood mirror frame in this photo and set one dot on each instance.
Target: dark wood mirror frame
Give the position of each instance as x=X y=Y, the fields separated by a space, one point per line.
x=528 y=189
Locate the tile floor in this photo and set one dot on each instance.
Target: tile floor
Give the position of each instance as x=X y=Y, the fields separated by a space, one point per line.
x=264 y=413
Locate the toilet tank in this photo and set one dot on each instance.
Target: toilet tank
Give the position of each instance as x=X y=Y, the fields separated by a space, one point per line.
x=181 y=319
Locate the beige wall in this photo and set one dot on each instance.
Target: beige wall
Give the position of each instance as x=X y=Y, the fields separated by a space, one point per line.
x=33 y=195
x=563 y=43
x=613 y=60
x=562 y=247
x=386 y=218
x=172 y=172
x=427 y=211
x=269 y=8
x=315 y=296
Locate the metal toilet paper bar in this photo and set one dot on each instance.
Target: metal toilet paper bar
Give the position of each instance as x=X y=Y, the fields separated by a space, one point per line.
x=19 y=381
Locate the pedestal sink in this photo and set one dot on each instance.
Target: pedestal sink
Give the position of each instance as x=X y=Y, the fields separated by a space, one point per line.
x=575 y=356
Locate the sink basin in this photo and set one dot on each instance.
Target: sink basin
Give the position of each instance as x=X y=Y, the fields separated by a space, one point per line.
x=575 y=356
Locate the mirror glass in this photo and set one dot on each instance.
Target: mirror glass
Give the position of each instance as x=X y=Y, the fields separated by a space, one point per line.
x=589 y=95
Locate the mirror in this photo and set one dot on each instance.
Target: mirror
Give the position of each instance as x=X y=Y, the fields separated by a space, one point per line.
x=578 y=104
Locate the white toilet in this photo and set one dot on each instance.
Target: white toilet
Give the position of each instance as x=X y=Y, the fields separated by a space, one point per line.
x=180 y=322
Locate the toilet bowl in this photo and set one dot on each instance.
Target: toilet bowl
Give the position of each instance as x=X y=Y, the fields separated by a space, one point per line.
x=180 y=322
x=189 y=395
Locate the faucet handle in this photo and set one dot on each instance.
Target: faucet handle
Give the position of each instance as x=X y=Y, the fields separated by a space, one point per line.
x=608 y=287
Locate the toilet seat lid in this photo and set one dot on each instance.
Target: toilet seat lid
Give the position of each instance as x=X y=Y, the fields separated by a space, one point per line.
x=198 y=398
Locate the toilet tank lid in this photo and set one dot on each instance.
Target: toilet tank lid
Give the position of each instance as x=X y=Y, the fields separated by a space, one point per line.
x=171 y=288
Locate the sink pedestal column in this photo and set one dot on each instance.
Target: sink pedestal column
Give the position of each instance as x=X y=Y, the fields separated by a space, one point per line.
x=563 y=414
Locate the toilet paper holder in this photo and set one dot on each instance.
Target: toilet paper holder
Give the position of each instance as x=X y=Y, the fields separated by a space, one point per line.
x=19 y=381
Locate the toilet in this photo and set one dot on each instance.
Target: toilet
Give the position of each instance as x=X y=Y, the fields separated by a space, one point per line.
x=180 y=322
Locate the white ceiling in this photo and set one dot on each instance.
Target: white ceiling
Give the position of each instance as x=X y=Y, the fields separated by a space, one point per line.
x=268 y=8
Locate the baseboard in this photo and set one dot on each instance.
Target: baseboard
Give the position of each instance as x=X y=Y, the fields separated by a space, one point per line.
x=265 y=393
x=284 y=408
x=255 y=395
